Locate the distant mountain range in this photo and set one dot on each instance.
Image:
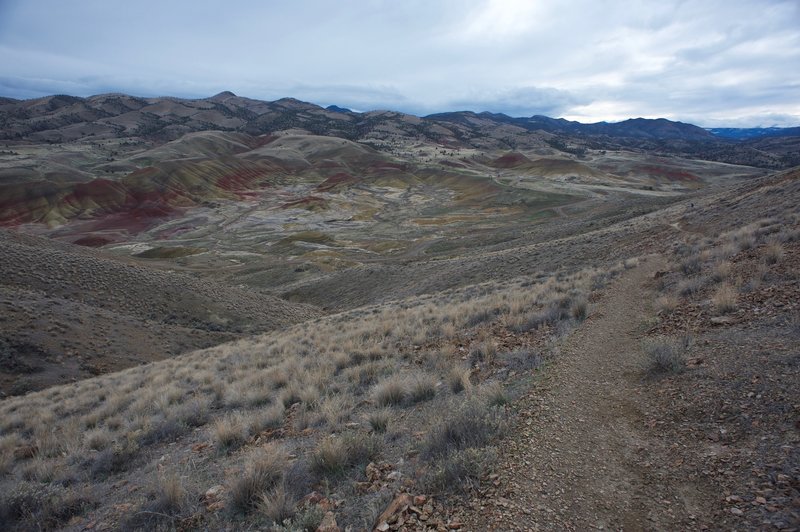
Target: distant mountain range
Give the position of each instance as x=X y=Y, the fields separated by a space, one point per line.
x=754 y=132
x=62 y=118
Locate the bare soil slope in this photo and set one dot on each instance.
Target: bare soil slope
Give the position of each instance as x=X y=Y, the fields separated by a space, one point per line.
x=70 y=312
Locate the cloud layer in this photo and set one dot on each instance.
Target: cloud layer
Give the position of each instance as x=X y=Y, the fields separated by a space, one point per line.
x=714 y=63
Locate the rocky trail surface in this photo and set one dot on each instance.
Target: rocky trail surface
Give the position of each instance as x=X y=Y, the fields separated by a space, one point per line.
x=581 y=457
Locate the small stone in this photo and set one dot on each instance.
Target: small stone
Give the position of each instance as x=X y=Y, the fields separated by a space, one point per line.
x=397 y=506
x=736 y=511
x=721 y=320
x=214 y=491
x=372 y=472
x=328 y=523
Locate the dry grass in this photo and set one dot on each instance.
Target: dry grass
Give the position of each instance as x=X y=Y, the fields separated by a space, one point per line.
x=773 y=253
x=665 y=355
x=722 y=271
x=229 y=432
x=724 y=298
x=472 y=424
x=335 y=455
x=458 y=379
x=391 y=391
x=666 y=304
x=312 y=379
x=264 y=470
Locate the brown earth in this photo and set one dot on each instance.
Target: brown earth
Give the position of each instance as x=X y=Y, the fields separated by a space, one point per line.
x=581 y=457
x=600 y=445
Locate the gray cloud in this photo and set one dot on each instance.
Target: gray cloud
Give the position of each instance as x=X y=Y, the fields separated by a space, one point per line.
x=710 y=61
x=521 y=101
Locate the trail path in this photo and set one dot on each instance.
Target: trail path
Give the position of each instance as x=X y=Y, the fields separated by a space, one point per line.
x=581 y=457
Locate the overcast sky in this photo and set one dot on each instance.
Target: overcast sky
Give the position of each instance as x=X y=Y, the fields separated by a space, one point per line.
x=710 y=62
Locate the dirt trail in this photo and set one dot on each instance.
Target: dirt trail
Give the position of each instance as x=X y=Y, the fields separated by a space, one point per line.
x=580 y=456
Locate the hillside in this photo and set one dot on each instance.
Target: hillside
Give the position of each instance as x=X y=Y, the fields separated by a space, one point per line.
x=228 y=313
x=106 y=117
x=338 y=418
x=70 y=313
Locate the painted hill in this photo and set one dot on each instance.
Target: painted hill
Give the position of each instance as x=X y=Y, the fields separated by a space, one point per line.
x=196 y=168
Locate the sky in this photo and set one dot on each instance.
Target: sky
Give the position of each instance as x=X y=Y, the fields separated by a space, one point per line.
x=715 y=63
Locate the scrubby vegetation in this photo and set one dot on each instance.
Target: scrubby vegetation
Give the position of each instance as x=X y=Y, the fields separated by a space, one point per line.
x=313 y=405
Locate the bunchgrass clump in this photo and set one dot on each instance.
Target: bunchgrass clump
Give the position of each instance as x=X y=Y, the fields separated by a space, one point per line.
x=665 y=355
x=336 y=455
x=773 y=253
x=422 y=388
x=391 y=391
x=458 y=379
x=459 y=471
x=724 y=298
x=229 y=432
x=263 y=472
x=379 y=421
x=472 y=424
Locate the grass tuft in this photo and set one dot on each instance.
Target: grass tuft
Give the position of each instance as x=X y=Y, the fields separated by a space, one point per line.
x=229 y=432
x=264 y=470
x=724 y=298
x=379 y=421
x=458 y=379
x=665 y=355
x=773 y=253
x=473 y=424
x=390 y=392
x=336 y=455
